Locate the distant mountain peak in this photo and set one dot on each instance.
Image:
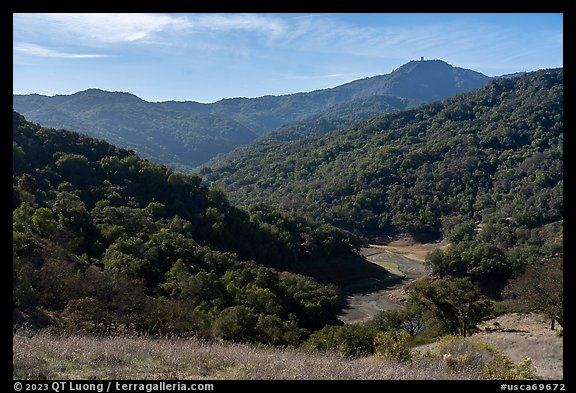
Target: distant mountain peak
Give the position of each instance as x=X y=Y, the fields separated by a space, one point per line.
x=428 y=62
x=430 y=65
x=432 y=80
x=108 y=96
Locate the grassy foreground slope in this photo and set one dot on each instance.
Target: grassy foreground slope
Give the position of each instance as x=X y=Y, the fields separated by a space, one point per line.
x=48 y=357
x=43 y=356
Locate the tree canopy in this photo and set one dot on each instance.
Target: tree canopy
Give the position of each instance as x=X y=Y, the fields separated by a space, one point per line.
x=104 y=241
x=493 y=156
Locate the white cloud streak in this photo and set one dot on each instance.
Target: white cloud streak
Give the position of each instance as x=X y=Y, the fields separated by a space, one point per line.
x=118 y=28
x=231 y=22
x=107 y=28
x=318 y=33
x=39 y=51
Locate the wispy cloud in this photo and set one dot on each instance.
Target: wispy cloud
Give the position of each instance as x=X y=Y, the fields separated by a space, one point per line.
x=334 y=36
x=39 y=51
x=266 y=36
x=118 y=28
x=329 y=34
x=248 y=22
x=323 y=33
x=107 y=28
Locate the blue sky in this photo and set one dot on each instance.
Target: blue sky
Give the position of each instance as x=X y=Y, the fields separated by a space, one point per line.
x=207 y=57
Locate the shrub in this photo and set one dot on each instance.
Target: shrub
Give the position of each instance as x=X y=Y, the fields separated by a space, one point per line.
x=501 y=367
x=86 y=315
x=348 y=340
x=235 y=324
x=394 y=345
x=476 y=355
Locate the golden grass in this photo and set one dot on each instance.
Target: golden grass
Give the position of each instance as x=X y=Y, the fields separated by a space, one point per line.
x=518 y=335
x=44 y=356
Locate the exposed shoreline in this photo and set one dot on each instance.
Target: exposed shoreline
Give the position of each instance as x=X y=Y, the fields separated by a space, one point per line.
x=404 y=260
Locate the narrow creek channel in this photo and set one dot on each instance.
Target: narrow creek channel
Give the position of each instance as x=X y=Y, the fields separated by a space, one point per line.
x=365 y=299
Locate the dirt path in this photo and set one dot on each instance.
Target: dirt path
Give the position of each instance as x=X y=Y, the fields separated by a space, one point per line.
x=404 y=260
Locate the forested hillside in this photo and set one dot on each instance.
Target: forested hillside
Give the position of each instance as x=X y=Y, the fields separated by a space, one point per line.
x=179 y=140
x=336 y=117
x=104 y=241
x=492 y=155
x=184 y=135
x=483 y=169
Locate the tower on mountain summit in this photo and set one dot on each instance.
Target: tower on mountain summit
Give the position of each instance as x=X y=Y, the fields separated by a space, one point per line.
x=421 y=58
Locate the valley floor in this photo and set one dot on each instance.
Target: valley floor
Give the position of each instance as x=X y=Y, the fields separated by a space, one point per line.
x=404 y=260
x=516 y=335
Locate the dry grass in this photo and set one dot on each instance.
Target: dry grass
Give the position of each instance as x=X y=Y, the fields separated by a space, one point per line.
x=519 y=335
x=546 y=351
x=43 y=356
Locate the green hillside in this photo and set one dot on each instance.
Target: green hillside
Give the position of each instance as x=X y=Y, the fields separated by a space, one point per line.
x=179 y=140
x=494 y=155
x=106 y=242
x=336 y=117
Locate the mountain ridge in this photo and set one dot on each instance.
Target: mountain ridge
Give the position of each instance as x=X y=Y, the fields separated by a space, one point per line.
x=204 y=130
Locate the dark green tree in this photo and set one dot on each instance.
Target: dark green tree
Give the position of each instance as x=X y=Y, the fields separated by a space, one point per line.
x=452 y=305
x=236 y=324
x=540 y=288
